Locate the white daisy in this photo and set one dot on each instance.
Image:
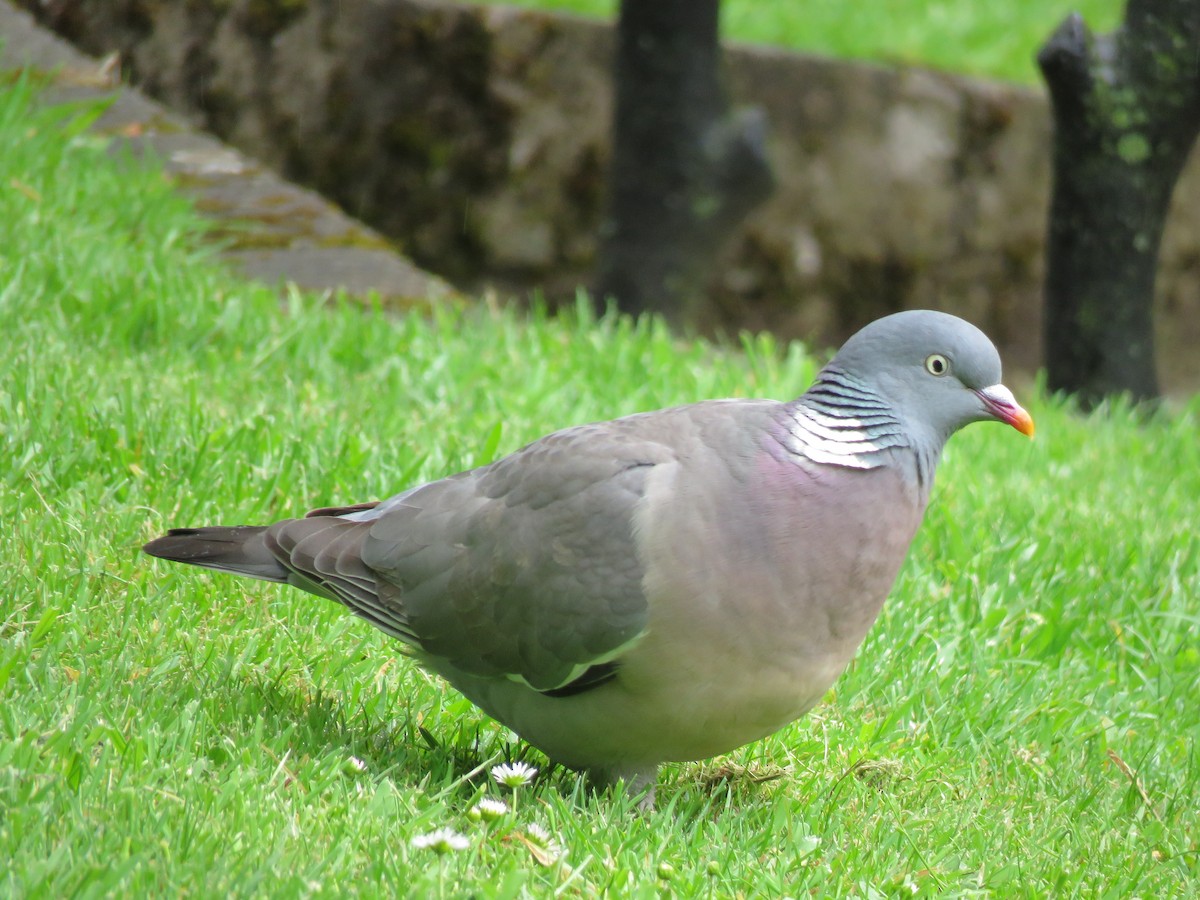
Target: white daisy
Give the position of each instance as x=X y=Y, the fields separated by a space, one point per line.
x=490 y=809
x=513 y=775
x=441 y=840
x=546 y=848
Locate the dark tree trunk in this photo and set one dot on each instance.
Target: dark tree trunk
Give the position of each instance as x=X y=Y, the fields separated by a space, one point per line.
x=685 y=170
x=1126 y=112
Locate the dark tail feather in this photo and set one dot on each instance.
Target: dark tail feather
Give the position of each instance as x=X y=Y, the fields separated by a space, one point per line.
x=239 y=549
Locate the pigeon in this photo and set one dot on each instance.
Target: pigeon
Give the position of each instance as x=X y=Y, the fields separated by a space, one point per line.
x=663 y=587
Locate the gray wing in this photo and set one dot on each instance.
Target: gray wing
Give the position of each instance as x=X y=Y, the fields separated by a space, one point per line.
x=526 y=568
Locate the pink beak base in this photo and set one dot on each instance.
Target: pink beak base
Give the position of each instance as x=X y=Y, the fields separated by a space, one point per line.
x=1001 y=403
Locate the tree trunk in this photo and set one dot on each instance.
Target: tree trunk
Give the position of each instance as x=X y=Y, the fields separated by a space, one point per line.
x=685 y=170
x=1126 y=112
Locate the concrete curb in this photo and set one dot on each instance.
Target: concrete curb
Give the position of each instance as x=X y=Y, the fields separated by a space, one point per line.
x=270 y=229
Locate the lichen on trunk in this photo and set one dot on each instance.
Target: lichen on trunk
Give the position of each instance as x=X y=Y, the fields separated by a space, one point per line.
x=1126 y=112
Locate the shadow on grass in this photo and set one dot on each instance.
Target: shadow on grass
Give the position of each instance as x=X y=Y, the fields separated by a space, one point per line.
x=283 y=716
x=255 y=709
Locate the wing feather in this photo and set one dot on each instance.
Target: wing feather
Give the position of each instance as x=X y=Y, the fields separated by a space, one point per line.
x=528 y=569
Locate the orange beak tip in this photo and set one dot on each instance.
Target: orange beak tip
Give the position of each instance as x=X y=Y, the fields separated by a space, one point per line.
x=1003 y=406
x=1023 y=422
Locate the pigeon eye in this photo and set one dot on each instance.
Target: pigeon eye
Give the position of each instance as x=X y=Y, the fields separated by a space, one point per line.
x=936 y=364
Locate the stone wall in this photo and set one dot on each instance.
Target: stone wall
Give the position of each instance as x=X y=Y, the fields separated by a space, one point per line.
x=476 y=137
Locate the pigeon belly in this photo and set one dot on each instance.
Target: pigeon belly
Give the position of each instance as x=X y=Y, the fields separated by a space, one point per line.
x=741 y=642
x=760 y=631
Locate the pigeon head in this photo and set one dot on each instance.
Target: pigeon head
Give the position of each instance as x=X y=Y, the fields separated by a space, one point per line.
x=937 y=372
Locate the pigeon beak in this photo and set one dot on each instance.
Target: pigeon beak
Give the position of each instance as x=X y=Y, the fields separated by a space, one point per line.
x=1002 y=405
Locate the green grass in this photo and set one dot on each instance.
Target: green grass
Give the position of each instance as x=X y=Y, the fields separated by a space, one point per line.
x=991 y=39
x=1022 y=721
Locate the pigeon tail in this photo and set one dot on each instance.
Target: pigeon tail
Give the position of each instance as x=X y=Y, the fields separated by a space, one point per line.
x=239 y=549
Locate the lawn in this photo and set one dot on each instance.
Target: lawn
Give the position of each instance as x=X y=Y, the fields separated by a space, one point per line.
x=1022 y=721
x=998 y=40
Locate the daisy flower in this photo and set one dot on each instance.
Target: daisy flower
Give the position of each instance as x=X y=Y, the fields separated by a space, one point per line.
x=513 y=775
x=441 y=840
x=541 y=840
x=490 y=809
